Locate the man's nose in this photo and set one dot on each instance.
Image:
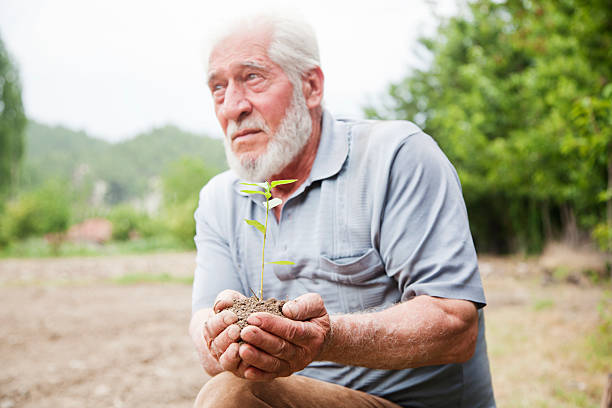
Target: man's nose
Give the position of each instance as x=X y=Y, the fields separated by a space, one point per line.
x=235 y=104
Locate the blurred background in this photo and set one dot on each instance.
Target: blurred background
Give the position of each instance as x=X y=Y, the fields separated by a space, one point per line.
x=107 y=134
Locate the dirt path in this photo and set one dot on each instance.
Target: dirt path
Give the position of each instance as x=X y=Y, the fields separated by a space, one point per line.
x=72 y=338
x=538 y=334
x=86 y=342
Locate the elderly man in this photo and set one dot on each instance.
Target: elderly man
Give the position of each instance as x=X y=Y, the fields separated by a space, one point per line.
x=386 y=290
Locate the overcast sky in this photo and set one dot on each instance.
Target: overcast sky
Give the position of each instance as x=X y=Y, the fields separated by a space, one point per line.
x=115 y=68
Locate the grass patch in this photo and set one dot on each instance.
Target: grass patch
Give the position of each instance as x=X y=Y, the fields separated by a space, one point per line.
x=40 y=248
x=54 y=283
x=602 y=277
x=135 y=278
x=561 y=274
x=573 y=398
x=543 y=304
x=599 y=343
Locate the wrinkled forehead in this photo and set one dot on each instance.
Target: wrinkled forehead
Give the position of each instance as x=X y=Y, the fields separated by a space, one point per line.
x=240 y=47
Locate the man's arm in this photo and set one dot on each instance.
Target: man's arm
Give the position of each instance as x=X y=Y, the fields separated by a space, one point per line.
x=422 y=331
x=419 y=332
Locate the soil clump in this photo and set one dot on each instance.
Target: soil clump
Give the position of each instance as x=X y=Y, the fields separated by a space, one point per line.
x=245 y=307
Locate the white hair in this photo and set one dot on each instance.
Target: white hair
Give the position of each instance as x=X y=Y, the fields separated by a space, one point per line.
x=293 y=45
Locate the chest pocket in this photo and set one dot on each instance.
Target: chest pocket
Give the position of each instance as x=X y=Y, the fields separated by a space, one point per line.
x=362 y=270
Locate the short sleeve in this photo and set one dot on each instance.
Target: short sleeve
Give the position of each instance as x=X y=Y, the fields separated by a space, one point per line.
x=215 y=270
x=425 y=239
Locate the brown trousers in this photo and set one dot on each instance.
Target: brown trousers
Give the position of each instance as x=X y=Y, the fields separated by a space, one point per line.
x=226 y=390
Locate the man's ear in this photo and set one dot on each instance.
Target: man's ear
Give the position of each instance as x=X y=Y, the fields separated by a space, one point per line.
x=312 y=87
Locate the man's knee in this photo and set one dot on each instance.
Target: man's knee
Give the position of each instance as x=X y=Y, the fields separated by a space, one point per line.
x=227 y=390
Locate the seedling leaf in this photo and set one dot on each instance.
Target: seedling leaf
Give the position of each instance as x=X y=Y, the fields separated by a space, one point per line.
x=269 y=204
x=253 y=192
x=263 y=185
x=257 y=225
x=273 y=203
x=279 y=182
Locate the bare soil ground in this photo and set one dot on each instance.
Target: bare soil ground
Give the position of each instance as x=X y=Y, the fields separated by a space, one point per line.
x=72 y=337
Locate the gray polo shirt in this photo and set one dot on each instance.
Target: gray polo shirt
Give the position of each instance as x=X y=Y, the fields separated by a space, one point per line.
x=380 y=219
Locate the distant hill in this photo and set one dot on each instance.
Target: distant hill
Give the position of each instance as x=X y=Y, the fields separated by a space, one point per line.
x=126 y=167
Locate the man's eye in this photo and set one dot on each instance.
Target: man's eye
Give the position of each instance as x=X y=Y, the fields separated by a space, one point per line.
x=217 y=88
x=252 y=76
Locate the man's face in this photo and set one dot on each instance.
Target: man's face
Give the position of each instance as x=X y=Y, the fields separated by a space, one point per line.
x=251 y=93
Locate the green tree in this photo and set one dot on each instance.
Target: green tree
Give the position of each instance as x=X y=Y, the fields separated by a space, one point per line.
x=12 y=124
x=503 y=98
x=181 y=183
x=38 y=212
x=126 y=221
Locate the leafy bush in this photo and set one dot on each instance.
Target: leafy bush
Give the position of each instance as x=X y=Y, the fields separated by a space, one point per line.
x=4 y=233
x=38 y=212
x=179 y=220
x=183 y=180
x=129 y=222
x=602 y=235
x=181 y=183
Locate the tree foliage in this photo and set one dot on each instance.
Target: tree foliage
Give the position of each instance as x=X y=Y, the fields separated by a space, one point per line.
x=126 y=167
x=12 y=123
x=518 y=96
x=181 y=182
x=121 y=182
x=37 y=212
x=128 y=222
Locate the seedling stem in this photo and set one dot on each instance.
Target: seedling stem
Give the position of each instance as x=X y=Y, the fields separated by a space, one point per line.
x=269 y=204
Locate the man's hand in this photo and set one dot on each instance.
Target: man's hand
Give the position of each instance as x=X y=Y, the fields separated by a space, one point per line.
x=278 y=347
x=215 y=334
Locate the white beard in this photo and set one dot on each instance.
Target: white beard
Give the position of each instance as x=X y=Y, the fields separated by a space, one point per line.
x=283 y=146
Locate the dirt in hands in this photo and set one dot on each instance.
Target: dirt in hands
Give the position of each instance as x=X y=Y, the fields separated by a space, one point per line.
x=247 y=306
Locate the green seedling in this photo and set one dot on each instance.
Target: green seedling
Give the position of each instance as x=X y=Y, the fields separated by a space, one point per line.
x=263 y=228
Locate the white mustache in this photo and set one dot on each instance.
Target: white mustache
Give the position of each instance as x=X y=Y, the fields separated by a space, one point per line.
x=250 y=122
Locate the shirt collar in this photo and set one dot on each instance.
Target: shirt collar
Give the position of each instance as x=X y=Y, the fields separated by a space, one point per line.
x=331 y=153
x=332 y=150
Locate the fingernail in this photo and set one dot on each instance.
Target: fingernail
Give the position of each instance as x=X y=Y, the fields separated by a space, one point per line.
x=229 y=318
x=254 y=321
